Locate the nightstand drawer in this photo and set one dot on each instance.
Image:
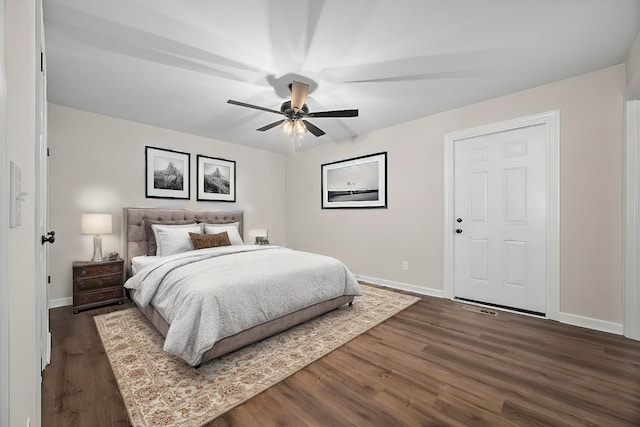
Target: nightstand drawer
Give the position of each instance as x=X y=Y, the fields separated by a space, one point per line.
x=94 y=283
x=98 y=297
x=96 y=270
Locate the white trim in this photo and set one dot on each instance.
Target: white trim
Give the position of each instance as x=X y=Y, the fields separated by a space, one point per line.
x=60 y=302
x=438 y=293
x=567 y=318
x=631 y=223
x=591 y=323
x=41 y=196
x=551 y=120
x=4 y=246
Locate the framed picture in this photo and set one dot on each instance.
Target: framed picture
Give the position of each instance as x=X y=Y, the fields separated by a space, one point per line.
x=167 y=173
x=360 y=182
x=216 y=179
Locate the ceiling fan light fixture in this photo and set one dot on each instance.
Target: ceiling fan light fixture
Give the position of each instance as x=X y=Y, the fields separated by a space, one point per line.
x=287 y=127
x=295 y=112
x=294 y=127
x=299 y=127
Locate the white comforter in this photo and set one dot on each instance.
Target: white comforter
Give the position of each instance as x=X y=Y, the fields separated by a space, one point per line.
x=210 y=294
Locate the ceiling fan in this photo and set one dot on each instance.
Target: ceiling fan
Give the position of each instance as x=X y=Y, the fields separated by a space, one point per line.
x=295 y=112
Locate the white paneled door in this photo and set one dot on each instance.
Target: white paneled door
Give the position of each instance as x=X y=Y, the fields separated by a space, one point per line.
x=500 y=218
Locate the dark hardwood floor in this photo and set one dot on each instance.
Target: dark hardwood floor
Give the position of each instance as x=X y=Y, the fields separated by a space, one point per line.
x=433 y=364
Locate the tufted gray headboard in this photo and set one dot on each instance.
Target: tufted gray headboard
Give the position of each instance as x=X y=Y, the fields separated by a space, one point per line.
x=134 y=231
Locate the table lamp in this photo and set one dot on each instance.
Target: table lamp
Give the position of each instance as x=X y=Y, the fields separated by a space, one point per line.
x=96 y=224
x=261 y=236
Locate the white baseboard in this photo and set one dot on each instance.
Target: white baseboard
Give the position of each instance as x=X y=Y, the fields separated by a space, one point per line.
x=568 y=318
x=60 y=302
x=439 y=293
x=591 y=323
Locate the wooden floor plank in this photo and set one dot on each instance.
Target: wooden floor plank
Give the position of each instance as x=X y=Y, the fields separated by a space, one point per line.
x=435 y=363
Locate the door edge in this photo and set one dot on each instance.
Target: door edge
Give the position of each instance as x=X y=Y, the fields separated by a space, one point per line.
x=631 y=222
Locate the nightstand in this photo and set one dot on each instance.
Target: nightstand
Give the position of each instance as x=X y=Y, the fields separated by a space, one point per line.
x=97 y=283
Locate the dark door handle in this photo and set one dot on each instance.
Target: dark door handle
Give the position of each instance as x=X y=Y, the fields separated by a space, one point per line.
x=49 y=239
x=459 y=230
x=459 y=220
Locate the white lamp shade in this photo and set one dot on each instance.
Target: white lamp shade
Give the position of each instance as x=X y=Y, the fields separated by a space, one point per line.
x=96 y=224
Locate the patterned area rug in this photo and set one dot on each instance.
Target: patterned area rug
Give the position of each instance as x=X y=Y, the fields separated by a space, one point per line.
x=160 y=389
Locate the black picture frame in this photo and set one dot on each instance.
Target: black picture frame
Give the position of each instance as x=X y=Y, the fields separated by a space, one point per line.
x=216 y=179
x=167 y=173
x=356 y=183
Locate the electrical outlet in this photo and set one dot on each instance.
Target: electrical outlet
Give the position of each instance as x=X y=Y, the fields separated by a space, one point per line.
x=405 y=265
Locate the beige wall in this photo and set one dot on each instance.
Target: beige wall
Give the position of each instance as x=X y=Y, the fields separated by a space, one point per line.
x=373 y=242
x=24 y=354
x=97 y=164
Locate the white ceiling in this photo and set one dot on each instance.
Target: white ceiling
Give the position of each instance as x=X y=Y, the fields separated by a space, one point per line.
x=174 y=64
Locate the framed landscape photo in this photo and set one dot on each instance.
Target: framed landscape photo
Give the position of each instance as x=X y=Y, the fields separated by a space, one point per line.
x=216 y=179
x=166 y=173
x=360 y=182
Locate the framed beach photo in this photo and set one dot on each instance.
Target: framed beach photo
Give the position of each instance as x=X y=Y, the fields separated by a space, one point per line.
x=360 y=182
x=216 y=179
x=167 y=173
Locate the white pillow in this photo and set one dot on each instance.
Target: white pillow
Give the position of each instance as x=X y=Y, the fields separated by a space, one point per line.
x=230 y=228
x=173 y=239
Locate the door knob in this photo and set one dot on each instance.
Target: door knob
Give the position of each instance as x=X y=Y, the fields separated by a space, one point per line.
x=459 y=230
x=49 y=239
x=459 y=220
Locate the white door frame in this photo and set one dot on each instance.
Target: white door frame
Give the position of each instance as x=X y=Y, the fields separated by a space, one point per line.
x=631 y=222
x=4 y=247
x=551 y=120
x=42 y=202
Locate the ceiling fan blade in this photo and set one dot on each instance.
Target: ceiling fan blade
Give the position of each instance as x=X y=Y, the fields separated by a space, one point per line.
x=313 y=128
x=255 y=107
x=336 y=113
x=298 y=94
x=272 y=125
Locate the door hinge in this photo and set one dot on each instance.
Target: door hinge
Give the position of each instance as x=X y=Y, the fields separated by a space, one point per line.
x=48 y=154
x=49 y=279
x=41 y=61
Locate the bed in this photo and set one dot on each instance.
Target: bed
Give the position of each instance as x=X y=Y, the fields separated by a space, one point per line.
x=267 y=276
